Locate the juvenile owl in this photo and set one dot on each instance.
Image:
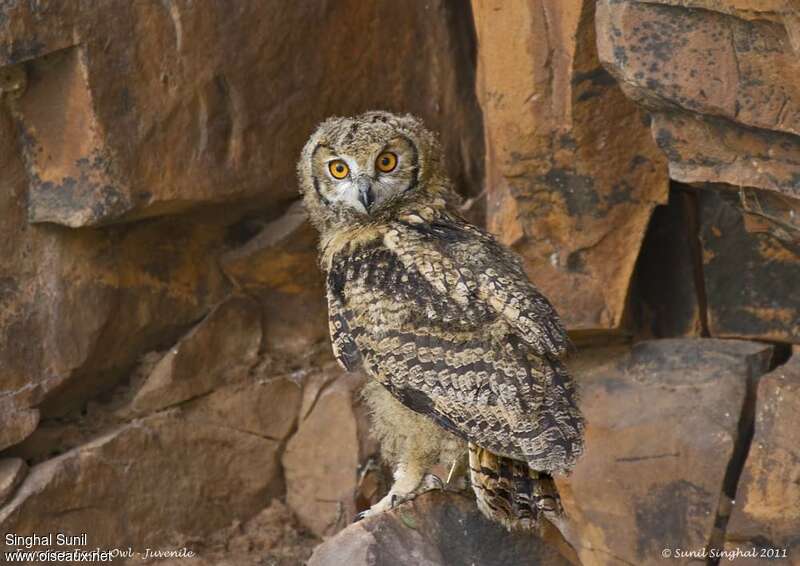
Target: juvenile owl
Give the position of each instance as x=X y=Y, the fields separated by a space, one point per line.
x=463 y=352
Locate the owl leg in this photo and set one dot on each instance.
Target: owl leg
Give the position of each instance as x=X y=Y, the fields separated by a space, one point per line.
x=410 y=480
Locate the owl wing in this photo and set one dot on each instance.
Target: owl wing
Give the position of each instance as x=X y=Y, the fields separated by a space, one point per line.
x=468 y=265
x=418 y=321
x=344 y=346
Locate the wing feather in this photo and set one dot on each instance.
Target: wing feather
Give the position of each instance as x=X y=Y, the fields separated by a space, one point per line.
x=486 y=272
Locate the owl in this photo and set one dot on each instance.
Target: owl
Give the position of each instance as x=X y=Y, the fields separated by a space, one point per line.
x=463 y=354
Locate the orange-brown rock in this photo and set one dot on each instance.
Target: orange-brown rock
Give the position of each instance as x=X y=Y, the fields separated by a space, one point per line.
x=766 y=513
x=322 y=458
x=267 y=408
x=662 y=423
x=724 y=80
x=751 y=278
x=436 y=528
x=272 y=537
x=154 y=482
x=278 y=266
x=572 y=174
x=129 y=110
x=114 y=112
x=219 y=350
x=79 y=307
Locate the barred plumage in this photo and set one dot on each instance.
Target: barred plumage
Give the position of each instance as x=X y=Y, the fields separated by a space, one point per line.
x=442 y=316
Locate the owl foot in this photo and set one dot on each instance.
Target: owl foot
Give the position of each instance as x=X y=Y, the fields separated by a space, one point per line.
x=395 y=497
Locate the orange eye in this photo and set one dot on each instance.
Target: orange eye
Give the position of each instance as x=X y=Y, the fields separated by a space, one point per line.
x=338 y=169
x=386 y=162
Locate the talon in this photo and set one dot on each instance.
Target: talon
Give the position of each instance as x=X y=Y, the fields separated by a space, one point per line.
x=393 y=501
x=360 y=516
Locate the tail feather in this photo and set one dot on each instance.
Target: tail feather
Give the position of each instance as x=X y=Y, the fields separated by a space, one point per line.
x=509 y=492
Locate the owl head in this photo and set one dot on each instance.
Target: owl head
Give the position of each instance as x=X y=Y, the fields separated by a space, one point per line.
x=365 y=168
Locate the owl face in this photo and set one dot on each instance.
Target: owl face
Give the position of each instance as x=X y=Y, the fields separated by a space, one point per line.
x=353 y=169
x=363 y=176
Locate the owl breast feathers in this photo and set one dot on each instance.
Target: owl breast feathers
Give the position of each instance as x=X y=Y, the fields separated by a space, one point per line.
x=445 y=318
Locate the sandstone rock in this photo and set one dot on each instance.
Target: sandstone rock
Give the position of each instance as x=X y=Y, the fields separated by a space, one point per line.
x=16 y=423
x=114 y=112
x=153 y=482
x=435 y=529
x=767 y=507
x=750 y=278
x=12 y=472
x=173 y=105
x=267 y=408
x=321 y=463
x=725 y=81
x=279 y=267
x=571 y=174
x=711 y=150
x=273 y=533
x=662 y=422
x=272 y=537
x=219 y=350
x=77 y=308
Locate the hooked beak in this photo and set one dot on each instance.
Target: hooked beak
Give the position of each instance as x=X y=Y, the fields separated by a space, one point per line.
x=365 y=194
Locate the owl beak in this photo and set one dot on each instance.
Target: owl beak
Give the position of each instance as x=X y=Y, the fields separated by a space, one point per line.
x=365 y=194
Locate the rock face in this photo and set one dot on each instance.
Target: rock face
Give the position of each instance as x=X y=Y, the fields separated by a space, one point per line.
x=157 y=460
x=764 y=302
x=434 y=529
x=12 y=472
x=564 y=186
x=278 y=267
x=648 y=481
x=730 y=76
x=219 y=350
x=139 y=146
x=322 y=458
x=200 y=91
x=720 y=79
x=767 y=509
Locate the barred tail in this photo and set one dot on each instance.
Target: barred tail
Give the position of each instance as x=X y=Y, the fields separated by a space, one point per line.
x=511 y=493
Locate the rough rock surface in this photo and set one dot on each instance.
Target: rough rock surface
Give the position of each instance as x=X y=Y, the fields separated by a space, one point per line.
x=211 y=102
x=721 y=80
x=565 y=186
x=154 y=481
x=113 y=112
x=271 y=538
x=16 y=423
x=712 y=76
x=669 y=259
x=322 y=458
x=767 y=509
x=220 y=350
x=435 y=529
x=751 y=279
x=648 y=480
x=12 y=472
x=278 y=267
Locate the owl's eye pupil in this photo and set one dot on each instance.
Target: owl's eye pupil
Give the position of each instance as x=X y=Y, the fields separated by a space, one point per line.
x=339 y=169
x=386 y=162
